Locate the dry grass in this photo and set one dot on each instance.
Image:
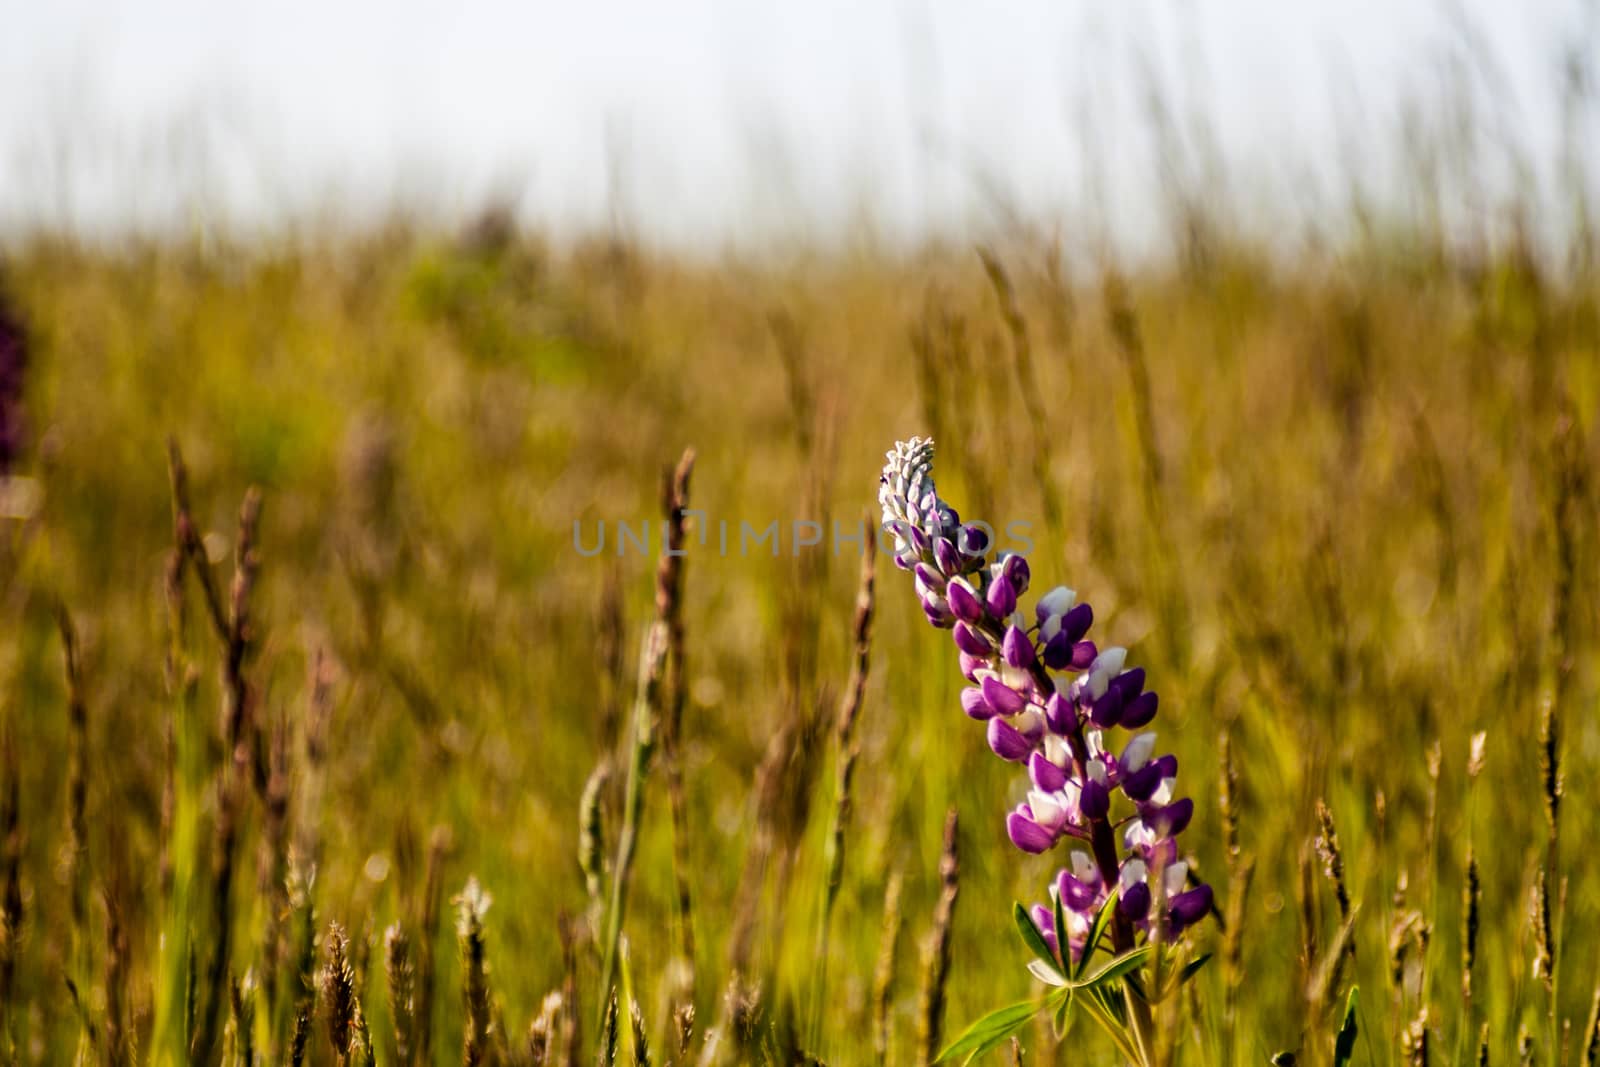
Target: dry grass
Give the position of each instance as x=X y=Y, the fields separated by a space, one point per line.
x=1341 y=505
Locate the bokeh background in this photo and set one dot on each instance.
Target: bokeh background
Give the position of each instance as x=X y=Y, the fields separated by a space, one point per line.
x=1306 y=299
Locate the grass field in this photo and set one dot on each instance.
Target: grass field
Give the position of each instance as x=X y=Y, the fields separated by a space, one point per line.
x=1340 y=504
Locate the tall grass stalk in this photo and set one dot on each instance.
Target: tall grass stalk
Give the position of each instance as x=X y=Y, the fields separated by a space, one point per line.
x=936 y=954
x=646 y=716
x=847 y=749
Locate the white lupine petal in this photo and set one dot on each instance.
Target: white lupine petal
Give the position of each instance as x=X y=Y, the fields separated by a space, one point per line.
x=1050 y=627
x=1045 y=973
x=1097 y=770
x=1138 y=835
x=1133 y=872
x=1139 y=751
x=1056 y=751
x=1015 y=677
x=1056 y=603
x=1048 y=811
x=1083 y=868
x=1094 y=741
x=1163 y=793
x=1029 y=720
x=1174 y=878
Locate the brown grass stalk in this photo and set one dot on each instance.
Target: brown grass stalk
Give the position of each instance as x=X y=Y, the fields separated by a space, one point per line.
x=884 y=974
x=847 y=750
x=77 y=785
x=936 y=958
x=647 y=721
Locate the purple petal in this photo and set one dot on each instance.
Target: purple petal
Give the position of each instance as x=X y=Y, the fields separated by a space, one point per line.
x=1058 y=652
x=1140 y=711
x=1171 y=820
x=1026 y=834
x=945 y=554
x=975 y=706
x=1096 y=800
x=1190 y=907
x=1134 y=904
x=1001 y=697
x=1168 y=766
x=1141 y=783
x=1076 y=623
x=964 y=602
x=929 y=577
x=973 y=541
x=1017 y=648
x=1107 y=711
x=1083 y=654
x=970 y=665
x=1007 y=742
x=1045 y=775
x=1016 y=571
x=1059 y=714
x=971 y=641
x=1129 y=683
x=1045 y=920
x=1002 y=598
x=1076 y=895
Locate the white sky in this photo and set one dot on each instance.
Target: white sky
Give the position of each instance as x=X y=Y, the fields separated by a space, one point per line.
x=710 y=121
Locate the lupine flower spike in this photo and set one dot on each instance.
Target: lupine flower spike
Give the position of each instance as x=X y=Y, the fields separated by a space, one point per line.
x=1050 y=701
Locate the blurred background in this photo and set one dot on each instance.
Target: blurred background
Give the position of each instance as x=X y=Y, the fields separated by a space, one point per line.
x=1279 y=324
x=712 y=124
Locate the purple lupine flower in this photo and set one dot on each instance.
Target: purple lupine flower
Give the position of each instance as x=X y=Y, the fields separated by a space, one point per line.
x=1017 y=648
x=1008 y=742
x=1002 y=597
x=1048 y=697
x=972 y=641
x=1026 y=833
x=973 y=703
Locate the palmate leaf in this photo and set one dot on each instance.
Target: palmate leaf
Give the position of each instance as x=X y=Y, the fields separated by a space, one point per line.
x=1062 y=1017
x=989 y=1032
x=1097 y=930
x=1118 y=967
x=1034 y=938
x=1061 y=936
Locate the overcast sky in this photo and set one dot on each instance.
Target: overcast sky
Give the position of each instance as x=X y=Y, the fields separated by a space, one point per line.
x=724 y=120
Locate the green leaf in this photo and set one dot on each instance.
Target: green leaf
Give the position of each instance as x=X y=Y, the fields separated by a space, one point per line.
x=1121 y=965
x=1192 y=968
x=989 y=1032
x=1033 y=937
x=1061 y=936
x=1063 y=1015
x=1097 y=930
x=1344 y=1046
